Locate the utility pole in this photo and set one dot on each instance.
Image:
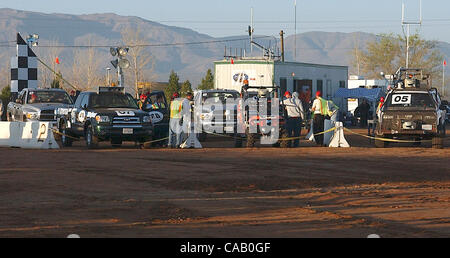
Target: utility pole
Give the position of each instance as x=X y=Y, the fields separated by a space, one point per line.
x=251 y=29
x=295 y=30
x=408 y=25
x=282 y=45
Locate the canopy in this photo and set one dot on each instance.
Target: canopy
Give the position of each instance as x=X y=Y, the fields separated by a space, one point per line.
x=359 y=93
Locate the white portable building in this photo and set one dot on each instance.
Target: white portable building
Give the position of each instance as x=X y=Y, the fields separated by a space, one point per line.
x=305 y=78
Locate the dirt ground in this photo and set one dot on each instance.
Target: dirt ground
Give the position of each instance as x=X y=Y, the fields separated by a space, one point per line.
x=220 y=191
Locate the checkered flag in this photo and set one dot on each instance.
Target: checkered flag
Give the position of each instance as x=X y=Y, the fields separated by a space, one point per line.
x=23 y=67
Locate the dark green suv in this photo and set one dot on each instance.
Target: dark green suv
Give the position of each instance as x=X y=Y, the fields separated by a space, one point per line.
x=106 y=115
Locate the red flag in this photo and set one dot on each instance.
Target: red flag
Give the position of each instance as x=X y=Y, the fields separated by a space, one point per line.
x=57 y=60
x=445 y=63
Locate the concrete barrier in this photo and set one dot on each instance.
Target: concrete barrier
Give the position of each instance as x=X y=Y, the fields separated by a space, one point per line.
x=31 y=135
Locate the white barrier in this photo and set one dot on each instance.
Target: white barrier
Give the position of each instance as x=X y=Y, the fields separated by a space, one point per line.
x=191 y=141
x=31 y=135
x=333 y=138
x=338 y=139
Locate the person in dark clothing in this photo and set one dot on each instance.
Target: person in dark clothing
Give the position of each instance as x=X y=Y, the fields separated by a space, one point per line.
x=320 y=110
x=363 y=110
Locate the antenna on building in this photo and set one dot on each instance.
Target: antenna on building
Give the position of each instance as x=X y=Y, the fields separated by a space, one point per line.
x=251 y=29
x=408 y=24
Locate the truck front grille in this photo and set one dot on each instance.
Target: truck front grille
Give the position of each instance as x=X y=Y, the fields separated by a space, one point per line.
x=47 y=115
x=127 y=122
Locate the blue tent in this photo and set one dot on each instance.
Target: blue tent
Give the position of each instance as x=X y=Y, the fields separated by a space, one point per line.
x=359 y=93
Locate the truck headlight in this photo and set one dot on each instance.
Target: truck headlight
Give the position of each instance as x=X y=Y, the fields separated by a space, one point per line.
x=102 y=119
x=146 y=119
x=205 y=116
x=32 y=115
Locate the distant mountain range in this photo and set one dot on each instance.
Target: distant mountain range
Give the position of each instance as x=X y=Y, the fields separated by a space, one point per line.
x=189 y=61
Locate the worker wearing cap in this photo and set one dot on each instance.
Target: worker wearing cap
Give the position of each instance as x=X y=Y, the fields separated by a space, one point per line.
x=380 y=104
x=175 y=129
x=142 y=100
x=320 y=110
x=295 y=116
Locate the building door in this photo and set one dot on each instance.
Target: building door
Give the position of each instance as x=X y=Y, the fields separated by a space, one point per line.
x=304 y=89
x=283 y=86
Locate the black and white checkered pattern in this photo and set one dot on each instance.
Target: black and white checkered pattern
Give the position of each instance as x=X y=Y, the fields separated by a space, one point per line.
x=23 y=67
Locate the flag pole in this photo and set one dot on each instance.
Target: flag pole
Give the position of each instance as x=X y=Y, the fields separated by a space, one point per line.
x=443 y=77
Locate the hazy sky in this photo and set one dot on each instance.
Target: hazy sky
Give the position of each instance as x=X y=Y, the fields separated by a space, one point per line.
x=231 y=17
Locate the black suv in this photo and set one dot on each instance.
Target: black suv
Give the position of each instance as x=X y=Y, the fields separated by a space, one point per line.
x=106 y=115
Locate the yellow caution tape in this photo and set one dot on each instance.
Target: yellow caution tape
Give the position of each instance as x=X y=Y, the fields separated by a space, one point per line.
x=68 y=136
x=383 y=139
x=158 y=140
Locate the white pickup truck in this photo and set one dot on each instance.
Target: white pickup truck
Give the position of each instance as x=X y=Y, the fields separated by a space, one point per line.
x=38 y=105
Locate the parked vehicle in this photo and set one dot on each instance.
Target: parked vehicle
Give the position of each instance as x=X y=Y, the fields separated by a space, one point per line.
x=412 y=110
x=250 y=116
x=218 y=112
x=158 y=110
x=38 y=105
x=106 y=115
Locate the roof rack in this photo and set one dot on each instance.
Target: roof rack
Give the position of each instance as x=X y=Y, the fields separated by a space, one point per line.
x=102 y=89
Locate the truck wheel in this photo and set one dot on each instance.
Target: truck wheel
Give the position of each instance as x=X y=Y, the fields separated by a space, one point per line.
x=437 y=143
x=65 y=141
x=380 y=143
x=91 y=139
x=251 y=139
x=284 y=135
x=116 y=142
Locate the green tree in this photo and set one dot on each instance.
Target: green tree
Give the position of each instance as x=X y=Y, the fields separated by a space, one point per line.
x=185 y=88
x=207 y=82
x=388 y=53
x=56 y=83
x=173 y=86
x=5 y=94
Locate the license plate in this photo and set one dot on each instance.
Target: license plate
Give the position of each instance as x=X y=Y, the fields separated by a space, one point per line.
x=127 y=131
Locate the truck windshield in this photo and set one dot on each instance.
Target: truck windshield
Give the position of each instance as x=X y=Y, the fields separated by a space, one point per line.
x=48 y=97
x=112 y=100
x=409 y=101
x=218 y=96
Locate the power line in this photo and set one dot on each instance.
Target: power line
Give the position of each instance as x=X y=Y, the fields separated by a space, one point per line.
x=154 y=45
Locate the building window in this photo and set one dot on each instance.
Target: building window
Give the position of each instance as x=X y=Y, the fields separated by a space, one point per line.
x=319 y=86
x=329 y=90
x=341 y=84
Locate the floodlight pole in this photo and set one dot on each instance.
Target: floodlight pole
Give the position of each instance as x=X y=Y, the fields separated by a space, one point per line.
x=408 y=25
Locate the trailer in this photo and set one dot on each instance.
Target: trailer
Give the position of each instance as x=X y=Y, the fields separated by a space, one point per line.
x=304 y=78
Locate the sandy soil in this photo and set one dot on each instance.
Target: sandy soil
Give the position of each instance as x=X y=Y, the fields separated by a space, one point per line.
x=219 y=191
